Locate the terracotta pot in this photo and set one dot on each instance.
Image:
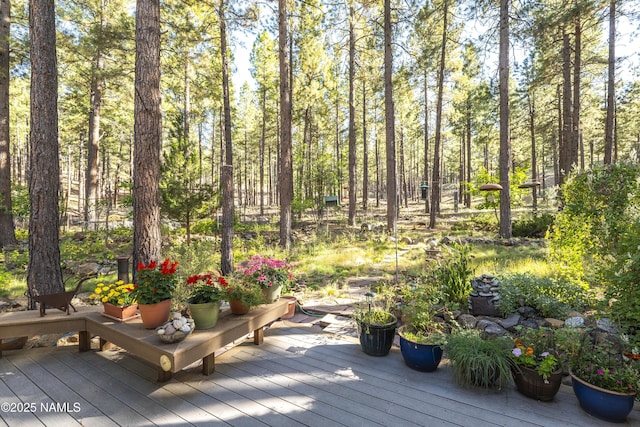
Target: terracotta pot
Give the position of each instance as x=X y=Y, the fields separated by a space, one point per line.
x=120 y=313
x=154 y=315
x=531 y=384
x=237 y=307
x=291 y=307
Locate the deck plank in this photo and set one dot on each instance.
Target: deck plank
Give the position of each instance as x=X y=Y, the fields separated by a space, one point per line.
x=296 y=377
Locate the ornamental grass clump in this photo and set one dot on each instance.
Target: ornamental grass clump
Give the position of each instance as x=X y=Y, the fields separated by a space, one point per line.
x=118 y=293
x=155 y=282
x=534 y=349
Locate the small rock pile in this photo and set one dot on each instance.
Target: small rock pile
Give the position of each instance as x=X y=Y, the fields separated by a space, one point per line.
x=176 y=329
x=485 y=295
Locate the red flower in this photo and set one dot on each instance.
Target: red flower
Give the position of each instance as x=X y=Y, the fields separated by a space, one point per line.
x=222 y=281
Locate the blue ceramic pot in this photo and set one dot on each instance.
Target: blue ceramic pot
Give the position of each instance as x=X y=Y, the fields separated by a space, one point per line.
x=421 y=357
x=604 y=404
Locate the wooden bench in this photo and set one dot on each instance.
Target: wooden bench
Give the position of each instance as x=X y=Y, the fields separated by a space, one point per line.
x=171 y=358
x=145 y=343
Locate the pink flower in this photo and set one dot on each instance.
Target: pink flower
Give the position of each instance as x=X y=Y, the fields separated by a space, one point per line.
x=600 y=372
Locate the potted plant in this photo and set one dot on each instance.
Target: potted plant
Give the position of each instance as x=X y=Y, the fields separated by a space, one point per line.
x=376 y=326
x=537 y=371
x=154 y=290
x=242 y=295
x=422 y=337
x=272 y=275
x=480 y=362
x=117 y=299
x=604 y=379
x=205 y=293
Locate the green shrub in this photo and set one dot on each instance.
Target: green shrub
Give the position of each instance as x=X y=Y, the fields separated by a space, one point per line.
x=535 y=226
x=206 y=226
x=453 y=274
x=552 y=298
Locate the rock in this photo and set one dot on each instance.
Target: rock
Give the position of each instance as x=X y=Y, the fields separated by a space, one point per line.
x=467 y=321
x=528 y=323
x=527 y=312
x=510 y=321
x=88 y=268
x=605 y=324
x=555 y=323
x=494 y=330
x=408 y=240
x=574 y=322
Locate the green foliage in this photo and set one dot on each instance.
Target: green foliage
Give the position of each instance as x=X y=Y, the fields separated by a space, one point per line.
x=20 y=202
x=418 y=307
x=201 y=255
x=454 y=273
x=535 y=349
x=206 y=226
x=183 y=199
x=551 y=298
x=534 y=226
x=481 y=222
x=479 y=362
x=597 y=235
x=600 y=207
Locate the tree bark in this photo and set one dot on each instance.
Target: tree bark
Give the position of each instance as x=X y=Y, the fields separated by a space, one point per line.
x=389 y=119
x=7 y=228
x=226 y=261
x=352 y=119
x=365 y=150
x=147 y=135
x=435 y=181
x=505 y=143
x=44 y=273
x=611 y=86
x=286 y=154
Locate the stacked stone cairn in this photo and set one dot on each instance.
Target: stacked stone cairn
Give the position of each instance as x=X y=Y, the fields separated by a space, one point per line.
x=485 y=295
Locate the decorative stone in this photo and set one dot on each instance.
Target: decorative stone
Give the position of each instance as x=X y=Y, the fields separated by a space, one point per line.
x=510 y=321
x=605 y=324
x=555 y=323
x=467 y=321
x=574 y=322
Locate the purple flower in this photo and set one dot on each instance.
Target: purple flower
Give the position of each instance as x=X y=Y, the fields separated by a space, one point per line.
x=545 y=354
x=517 y=352
x=600 y=372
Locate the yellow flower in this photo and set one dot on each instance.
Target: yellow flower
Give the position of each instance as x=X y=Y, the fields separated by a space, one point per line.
x=120 y=301
x=105 y=299
x=98 y=289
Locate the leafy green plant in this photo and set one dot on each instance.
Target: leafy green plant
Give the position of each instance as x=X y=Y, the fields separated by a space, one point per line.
x=534 y=226
x=552 y=298
x=479 y=362
x=601 y=362
x=454 y=273
x=249 y=294
x=535 y=349
x=419 y=312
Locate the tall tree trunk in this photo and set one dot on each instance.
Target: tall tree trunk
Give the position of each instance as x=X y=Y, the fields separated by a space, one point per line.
x=534 y=166
x=226 y=256
x=263 y=138
x=7 y=229
x=91 y=192
x=44 y=273
x=467 y=193
x=425 y=95
x=389 y=119
x=365 y=150
x=567 y=141
x=435 y=181
x=286 y=153
x=611 y=86
x=577 y=66
x=505 y=143
x=352 y=118
x=147 y=135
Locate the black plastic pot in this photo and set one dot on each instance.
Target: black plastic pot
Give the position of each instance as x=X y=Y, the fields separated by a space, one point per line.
x=376 y=340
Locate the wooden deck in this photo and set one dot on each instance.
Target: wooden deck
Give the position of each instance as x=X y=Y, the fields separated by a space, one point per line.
x=296 y=377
